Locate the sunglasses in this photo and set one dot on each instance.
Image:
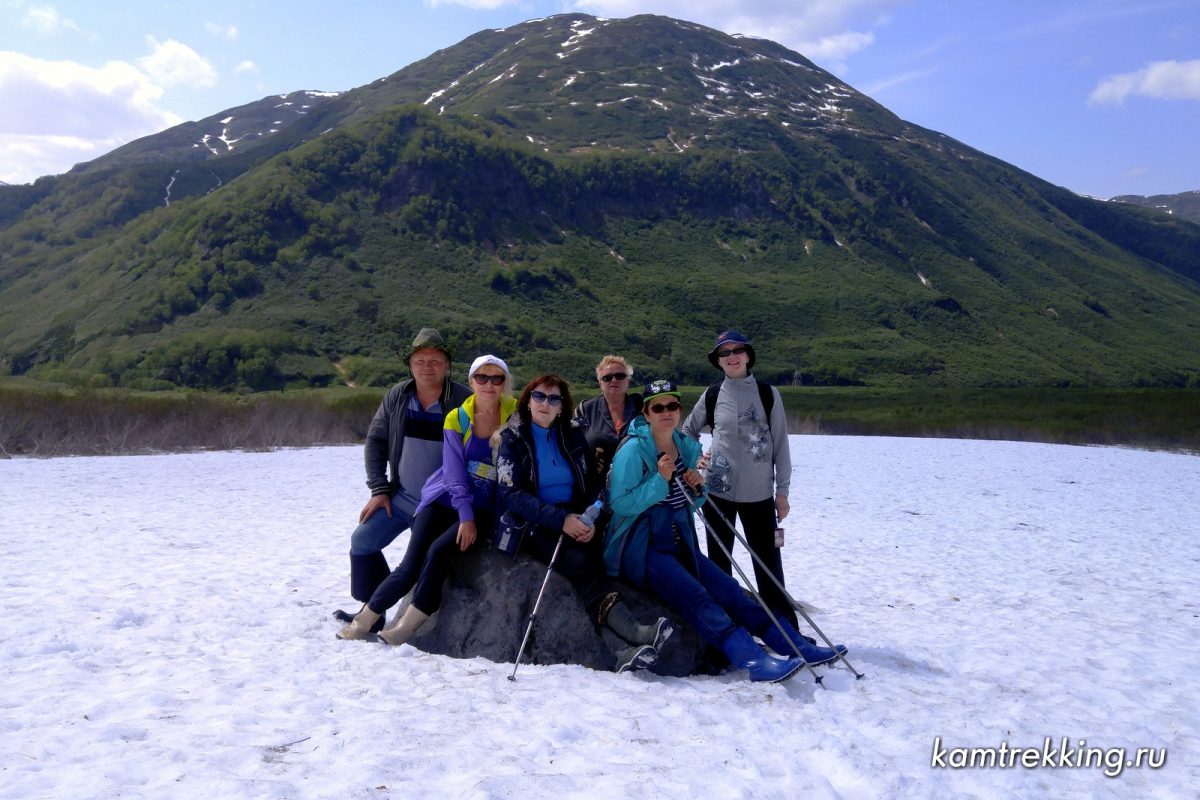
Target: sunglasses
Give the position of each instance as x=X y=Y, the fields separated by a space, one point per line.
x=659 y=408
x=614 y=376
x=733 y=351
x=542 y=397
x=494 y=380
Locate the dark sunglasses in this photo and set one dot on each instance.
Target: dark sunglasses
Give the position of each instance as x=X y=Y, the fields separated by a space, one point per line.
x=542 y=397
x=614 y=376
x=659 y=408
x=494 y=380
x=733 y=351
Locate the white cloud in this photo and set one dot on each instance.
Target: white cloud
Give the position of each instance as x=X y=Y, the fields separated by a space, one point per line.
x=1161 y=80
x=838 y=46
x=246 y=66
x=59 y=113
x=228 y=31
x=823 y=30
x=882 y=86
x=172 y=62
x=46 y=20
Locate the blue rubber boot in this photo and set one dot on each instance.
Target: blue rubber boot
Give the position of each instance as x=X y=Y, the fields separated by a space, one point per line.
x=744 y=653
x=811 y=653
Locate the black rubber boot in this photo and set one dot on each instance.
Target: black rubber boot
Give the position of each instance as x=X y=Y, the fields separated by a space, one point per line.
x=348 y=617
x=366 y=573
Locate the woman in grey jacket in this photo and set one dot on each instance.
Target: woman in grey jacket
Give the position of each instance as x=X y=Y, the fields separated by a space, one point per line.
x=749 y=464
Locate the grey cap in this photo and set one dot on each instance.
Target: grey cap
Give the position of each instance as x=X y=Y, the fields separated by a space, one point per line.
x=426 y=338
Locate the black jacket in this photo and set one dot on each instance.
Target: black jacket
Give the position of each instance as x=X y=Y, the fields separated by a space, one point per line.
x=385 y=436
x=598 y=426
x=520 y=511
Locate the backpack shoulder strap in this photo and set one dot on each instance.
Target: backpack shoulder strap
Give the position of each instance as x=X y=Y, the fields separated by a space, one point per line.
x=710 y=405
x=767 y=398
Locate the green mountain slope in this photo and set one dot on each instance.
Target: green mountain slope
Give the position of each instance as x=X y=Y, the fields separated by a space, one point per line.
x=570 y=187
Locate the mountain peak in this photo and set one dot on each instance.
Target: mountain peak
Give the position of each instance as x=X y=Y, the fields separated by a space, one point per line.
x=560 y=78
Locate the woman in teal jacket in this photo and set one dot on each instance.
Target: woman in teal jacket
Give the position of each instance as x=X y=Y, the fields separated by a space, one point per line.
x=652 y=543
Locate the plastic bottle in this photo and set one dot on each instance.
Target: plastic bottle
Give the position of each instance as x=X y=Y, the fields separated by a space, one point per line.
x=593 y=511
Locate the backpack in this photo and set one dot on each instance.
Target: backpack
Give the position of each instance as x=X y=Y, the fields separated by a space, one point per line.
x=765 y=396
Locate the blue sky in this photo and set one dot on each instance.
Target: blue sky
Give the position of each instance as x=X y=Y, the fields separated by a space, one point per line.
x=1101 y=96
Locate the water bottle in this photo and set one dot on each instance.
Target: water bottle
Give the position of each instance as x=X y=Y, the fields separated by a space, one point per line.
x=593 y=511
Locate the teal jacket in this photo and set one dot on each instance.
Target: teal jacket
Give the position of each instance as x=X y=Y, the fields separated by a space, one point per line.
x=635 y=489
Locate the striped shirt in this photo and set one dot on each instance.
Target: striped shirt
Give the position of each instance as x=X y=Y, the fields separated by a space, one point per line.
x=675 y=497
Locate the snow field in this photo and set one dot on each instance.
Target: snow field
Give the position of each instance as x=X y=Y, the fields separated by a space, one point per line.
x=166 y=633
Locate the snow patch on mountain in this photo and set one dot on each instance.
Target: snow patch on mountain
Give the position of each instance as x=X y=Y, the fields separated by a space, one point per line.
x=723 y=64
x=573 y=43
x=253 y=123
x=440 y=92
x=508 y=73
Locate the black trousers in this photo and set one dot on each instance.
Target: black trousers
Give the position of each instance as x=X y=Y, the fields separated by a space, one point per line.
x=580 y=564
x=758 y=523
x=432 y=546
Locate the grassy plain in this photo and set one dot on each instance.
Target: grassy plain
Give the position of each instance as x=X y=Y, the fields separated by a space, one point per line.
x=42 y=419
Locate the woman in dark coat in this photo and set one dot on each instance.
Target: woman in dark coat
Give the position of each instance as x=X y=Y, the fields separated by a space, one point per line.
x=546 y=479
x=607 y=417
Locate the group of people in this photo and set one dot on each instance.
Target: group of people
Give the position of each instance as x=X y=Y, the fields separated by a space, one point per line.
x=458 y=465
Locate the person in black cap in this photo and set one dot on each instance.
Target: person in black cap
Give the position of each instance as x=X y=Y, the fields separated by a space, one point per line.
x=749 y=466
x=404 y=442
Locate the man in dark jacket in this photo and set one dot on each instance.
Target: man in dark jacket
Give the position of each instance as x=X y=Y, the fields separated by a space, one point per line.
x=404 y=446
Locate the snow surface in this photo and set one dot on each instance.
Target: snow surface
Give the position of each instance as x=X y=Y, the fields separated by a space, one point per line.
x=166 y=633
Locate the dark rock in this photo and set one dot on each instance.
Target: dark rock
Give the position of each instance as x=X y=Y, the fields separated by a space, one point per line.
x=485 y=609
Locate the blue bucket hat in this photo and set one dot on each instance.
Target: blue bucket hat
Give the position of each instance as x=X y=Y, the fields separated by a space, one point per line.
x=731 y=339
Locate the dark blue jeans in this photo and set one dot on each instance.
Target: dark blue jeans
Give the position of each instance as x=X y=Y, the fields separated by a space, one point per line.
x=709 y=600
x=378 y=531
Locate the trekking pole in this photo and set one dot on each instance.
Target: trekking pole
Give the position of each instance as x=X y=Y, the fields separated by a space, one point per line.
x=536 y=603
x=770 y=614
x=795 y=604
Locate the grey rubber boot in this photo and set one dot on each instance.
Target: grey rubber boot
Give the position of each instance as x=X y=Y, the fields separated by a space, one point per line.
x=361 y=626
x=404 y=627
x=630 y=657
x=621 y=620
